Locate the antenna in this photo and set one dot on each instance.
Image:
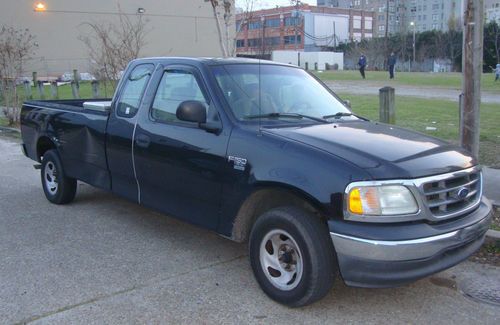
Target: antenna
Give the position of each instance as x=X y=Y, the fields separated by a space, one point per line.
x=260 y=101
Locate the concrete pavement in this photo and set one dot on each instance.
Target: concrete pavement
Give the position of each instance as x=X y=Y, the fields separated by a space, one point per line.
x=103 y=259
x=372 y=88
x=491 y=187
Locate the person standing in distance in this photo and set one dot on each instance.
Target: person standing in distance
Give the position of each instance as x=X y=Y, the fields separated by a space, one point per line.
x=362 y=65
x=391 y=62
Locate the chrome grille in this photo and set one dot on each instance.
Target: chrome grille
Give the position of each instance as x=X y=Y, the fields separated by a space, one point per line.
x=452 y=195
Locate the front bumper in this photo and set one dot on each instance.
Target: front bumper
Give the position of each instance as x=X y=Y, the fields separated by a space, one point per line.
x=367 y=262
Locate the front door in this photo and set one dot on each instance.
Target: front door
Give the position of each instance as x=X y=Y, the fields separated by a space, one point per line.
x=179 y=166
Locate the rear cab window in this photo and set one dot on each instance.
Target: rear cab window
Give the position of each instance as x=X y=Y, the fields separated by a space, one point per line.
x=133 y=90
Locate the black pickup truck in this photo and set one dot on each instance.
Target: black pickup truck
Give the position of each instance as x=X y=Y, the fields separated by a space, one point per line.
x=264 y=152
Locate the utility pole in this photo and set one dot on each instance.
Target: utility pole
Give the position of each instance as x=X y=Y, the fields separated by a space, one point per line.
x=296 y=21
x=472 y=66
x=386 y=29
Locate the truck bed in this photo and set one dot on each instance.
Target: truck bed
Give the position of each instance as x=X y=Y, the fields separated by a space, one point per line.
x=78 y=133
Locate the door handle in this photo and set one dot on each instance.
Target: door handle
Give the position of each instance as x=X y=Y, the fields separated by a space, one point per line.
x=142 y=140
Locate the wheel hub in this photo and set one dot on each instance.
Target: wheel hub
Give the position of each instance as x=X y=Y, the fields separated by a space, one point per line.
x=281 y=260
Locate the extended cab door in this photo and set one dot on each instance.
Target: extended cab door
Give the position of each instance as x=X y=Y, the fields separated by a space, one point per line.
x=120 y=130
x=179 y=166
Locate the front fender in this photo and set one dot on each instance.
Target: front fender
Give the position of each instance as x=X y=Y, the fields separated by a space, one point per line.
x=273 y=160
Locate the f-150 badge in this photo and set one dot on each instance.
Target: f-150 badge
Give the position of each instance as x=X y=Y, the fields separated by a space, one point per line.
x=238 y=163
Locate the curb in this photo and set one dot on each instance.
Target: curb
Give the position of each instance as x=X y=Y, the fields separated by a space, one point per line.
x=9 y=130
x=493 y=234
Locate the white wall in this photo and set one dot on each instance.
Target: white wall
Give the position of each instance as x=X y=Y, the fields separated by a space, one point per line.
x=175 y=28
x=310 y=57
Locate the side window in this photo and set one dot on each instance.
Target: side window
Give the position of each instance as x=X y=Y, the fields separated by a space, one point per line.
x=175 y=87
x=133 y=90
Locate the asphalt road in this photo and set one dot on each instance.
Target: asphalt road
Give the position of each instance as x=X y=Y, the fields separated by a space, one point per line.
x=102 y=259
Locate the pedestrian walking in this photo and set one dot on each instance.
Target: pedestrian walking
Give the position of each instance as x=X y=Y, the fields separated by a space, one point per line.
x=391 y=62
x=497 y=72
x=362 y=65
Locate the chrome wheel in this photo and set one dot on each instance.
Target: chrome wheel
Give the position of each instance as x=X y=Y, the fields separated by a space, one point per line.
x=281 y=260
x=50 y=178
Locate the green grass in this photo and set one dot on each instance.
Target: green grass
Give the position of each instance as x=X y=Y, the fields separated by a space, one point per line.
x=419 y=79
x=64 y=92
x=417 y=114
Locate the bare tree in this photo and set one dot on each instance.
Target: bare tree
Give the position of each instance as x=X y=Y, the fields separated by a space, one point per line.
x=227 y=10
x=112 y=46
x=16 y=47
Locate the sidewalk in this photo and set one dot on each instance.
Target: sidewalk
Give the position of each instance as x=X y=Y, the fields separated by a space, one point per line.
x=491 y=185
x=372 y=88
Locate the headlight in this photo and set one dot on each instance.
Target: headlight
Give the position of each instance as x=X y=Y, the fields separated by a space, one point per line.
x=383 y=200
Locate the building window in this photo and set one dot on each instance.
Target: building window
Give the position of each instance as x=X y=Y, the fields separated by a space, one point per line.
x=381 y=17
x=291 y=21
x=435 y=6
x=273 y=40
x=291 y=39
x=381 y=28
x=434 y=17
x=254 y=25
x=240 y=43
x=275 y=22
x=238 y=25
x=254 y=42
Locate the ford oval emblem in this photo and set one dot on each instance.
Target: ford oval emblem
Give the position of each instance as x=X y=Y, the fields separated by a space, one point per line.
x=462 y=193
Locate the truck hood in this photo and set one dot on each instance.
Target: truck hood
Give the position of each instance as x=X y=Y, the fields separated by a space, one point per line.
x=384 y=151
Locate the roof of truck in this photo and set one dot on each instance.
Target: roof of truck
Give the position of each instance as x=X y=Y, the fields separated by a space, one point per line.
x=215 y=61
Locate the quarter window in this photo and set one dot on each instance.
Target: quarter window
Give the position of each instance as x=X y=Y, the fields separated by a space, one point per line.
x=176 y=86
x=133 y=90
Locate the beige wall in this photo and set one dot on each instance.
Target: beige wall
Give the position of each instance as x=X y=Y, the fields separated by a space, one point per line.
x=177 y=28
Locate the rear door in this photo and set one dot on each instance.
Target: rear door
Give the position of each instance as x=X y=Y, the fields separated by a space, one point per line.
x=120 y=130
x=179 y=166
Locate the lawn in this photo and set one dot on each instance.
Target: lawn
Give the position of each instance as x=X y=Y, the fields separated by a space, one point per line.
x=65 y=92
x=418 y=79
x=417 y=114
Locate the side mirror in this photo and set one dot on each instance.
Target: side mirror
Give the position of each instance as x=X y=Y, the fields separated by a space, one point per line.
x=192 y=111
x=347 y=103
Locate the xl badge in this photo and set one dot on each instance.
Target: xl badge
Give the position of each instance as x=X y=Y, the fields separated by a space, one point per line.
x=238 y=163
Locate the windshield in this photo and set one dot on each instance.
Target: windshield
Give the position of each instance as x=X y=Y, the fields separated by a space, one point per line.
x=285 y=93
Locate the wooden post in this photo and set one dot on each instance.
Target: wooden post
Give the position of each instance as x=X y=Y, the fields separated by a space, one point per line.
x=35 y=78
x=387 y=101
x=472 y=62
x=315 y=66
x=95 y=88
x=41 y=90
x=27 y=90
x=307 y=65
x=75 y=89
x=76 y=77
x=54 y=90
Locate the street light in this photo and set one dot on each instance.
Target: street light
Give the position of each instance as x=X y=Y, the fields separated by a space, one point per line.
x=40 y=7
x=414 y=47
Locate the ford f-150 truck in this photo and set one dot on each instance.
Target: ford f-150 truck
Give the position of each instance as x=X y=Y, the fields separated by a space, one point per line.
x=263 y=152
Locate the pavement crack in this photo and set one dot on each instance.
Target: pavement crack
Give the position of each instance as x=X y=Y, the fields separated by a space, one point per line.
x=120 y=292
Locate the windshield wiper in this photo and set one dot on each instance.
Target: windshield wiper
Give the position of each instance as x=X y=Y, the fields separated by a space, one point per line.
x=292 y=115
x=344 y=114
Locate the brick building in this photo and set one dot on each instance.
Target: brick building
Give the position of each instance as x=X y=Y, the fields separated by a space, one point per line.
x=302 y=28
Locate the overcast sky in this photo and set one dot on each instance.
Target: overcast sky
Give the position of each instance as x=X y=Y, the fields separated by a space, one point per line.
x=264 y=4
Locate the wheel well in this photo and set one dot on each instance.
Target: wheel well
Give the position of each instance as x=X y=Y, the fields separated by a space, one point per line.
x=44 y=144
x=264 y=200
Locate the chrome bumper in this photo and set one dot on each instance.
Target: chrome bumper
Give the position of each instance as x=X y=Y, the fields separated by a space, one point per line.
x=406 y=249
x=379 y=263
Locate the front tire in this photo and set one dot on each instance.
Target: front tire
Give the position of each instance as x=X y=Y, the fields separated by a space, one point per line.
x=58 y=188
x=292 y=256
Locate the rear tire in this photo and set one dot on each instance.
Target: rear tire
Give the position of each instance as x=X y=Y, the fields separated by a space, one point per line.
x=58 y=188
x=292 y=256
